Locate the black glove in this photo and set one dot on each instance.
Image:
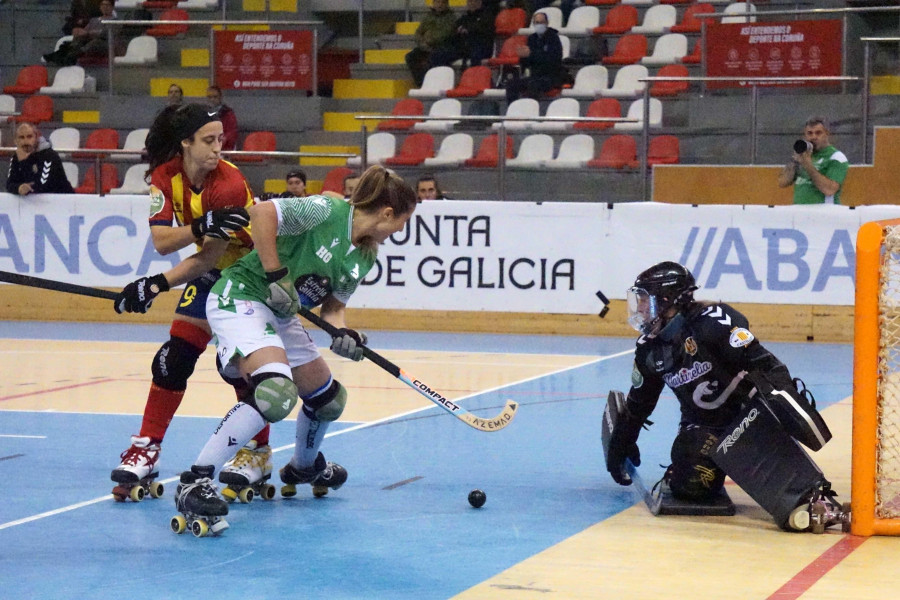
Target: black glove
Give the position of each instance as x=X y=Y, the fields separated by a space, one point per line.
x=219 y=223
x=622 y=445
x=348 y=343
x=138 y=295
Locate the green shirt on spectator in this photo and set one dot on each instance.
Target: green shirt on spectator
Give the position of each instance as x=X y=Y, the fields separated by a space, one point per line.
x=831 y=163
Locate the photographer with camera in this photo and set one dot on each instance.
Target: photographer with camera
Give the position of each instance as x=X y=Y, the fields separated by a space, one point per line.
x=817 y=169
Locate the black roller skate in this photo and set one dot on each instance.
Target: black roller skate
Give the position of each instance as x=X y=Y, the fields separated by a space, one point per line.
x=820 y=512
x=322 y=475
x=197 y=500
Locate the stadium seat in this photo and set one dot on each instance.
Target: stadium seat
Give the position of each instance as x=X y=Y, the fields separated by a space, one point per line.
x=142 y=50
x=509 y=20
x=455 y=149
x=29 y=80
x=488 y=155
x=64 y=139
x=198 y=4
x=99 y=139
x=663 y=150
x=668 y=50
x=675 y=1
x=689 y=22
x=696 y=55
x=602 y=107
x=36 y=109
x=472 y=82
x=561 y=107
x=379 y=146
x=159 y=4
x=627 y=83
x=638 y=2
x=590 y=80
x=574 y=153
x=135 y=141
x=566 y=44
x=620 y=19
x=742 y=11
x=554 y=19
x=445 y=107
x=630 y=49
x=109 y=179
x=523 y=107
x=7 y=105
x=173 y=14
x=534 y=150
x=256 y=141
x=334 y=180
x=67 y=80
x=435 y=84
x=601 y=2
x=413 y=151
x=581 y=22
x=509 y=54
x=407 y=107
x=661 y=89
x=133 y=182
x=636 y=111
x=71 y=170
x=128 y=4
x=617 y=152
x=657 y=19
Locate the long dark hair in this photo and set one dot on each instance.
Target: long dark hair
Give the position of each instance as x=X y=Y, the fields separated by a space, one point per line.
x=173 y=124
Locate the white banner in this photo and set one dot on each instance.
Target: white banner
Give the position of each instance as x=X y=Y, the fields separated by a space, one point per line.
x=496 y=256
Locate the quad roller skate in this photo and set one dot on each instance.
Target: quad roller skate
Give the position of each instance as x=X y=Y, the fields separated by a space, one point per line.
x=137 y=474
x=322 y=475
x=197 y=500
x=822 y=511
x=247 y=475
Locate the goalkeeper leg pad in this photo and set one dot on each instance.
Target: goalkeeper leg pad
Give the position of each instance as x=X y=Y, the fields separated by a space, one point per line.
x=795 y=408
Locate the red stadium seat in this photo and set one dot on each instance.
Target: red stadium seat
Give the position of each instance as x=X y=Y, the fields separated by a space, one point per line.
x=509 y=54
x=99 y=139
x=670 y=88
x=663 y=150
x=334 y=180
x=487 y=155
x=695 y=57
x=173 y=14
x=407 y=107
x=415 y=149
x=601 y=2
x=109 y=178
x=509 y=21
x=630 y=49
x=620 y=19
x=261 y=141
x=602 y=107
x=29 y=80
x=472 y=82
x=617 y=152
x=36 y=109
x=691 y=24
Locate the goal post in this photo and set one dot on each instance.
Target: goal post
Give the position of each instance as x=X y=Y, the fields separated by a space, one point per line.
x=875 y=495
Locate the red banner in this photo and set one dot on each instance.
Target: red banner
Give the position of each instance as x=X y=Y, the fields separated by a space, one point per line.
x=264 y=60
x=773 y=49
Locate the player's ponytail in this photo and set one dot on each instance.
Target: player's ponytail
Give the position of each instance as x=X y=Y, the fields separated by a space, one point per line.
x=161 y=144
x=379 y=187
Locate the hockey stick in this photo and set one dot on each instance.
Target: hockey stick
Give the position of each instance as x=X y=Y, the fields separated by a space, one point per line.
x=57 y=286
x=492 y=424
x=652 y=500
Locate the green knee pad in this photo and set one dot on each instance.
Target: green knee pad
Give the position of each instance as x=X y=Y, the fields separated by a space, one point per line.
x=275 y=396
x=335 y=399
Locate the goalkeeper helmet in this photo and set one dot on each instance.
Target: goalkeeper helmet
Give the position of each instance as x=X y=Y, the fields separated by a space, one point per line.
x=655 y=291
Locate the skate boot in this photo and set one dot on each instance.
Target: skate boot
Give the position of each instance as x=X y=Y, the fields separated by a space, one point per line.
x=820 y=512
x=321 y=476
x=136 y=474
x=246 y=475
x=197 y=500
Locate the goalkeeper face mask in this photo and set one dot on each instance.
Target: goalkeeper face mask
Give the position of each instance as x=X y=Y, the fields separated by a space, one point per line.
x=644 y=311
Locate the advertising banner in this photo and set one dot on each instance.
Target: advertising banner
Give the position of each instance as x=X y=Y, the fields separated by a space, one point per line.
x=264 y=60
x=773 y=49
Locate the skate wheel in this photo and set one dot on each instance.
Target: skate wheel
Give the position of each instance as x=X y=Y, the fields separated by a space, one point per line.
x=120 y=494
x=845 y=517
x=178 y=524
x=267 y=491
x=818 y=519
x=199 y=528
x=320 y=490
x=289 y=490
x=246 y=495
x=156 y=489
x=137 y=493
x=229 y=494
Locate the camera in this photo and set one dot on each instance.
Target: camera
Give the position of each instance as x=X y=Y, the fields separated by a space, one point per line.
x=801 y=146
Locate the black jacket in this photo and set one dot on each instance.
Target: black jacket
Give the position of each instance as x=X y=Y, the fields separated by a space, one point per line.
x=43 y=170
x=545 y=59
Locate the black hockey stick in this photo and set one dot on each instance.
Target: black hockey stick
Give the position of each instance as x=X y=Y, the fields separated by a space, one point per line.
x=57 y=286
x=492 y=424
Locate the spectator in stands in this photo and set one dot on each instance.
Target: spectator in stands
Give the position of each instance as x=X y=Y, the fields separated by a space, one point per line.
x=176 y=95
x=226 y=115
x=427 y=188
x=435 y=29
x=816 y=169
x=296 y=184
x=565 y=6
x=350 y=183
x=92 y=40
x=80 y=12
x=35 y=167
x=543 y=57
x=472 y=40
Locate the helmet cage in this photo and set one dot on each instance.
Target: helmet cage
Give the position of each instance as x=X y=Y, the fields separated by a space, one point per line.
x=643 y=309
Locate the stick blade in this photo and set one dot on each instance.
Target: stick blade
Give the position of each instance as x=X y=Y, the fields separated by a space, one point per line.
x=496 y=423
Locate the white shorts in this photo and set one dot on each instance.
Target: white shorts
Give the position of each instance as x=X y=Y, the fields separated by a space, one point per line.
x=253 y=325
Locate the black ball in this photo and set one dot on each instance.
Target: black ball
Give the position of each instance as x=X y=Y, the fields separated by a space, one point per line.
x=477 y=498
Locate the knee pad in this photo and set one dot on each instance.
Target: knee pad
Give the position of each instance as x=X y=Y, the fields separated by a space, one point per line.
x=328 y=402
x=274 y=393
x=693 y=475
x=174 y=363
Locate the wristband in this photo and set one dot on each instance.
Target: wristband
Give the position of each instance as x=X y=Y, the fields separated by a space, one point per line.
x=277 y=274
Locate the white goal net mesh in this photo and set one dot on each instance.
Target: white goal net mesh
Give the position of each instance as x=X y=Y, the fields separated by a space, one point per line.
x=887 y=484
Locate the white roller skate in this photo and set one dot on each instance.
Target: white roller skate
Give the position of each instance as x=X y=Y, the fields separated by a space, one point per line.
x=822 y=511
x=197 y=500
x=247 y=474
x=322 y=475
x=138 y=471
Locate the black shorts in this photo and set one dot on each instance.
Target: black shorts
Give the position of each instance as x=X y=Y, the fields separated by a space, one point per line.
x=193 y=298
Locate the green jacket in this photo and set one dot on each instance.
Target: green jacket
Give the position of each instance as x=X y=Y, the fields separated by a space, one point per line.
x=435 y=29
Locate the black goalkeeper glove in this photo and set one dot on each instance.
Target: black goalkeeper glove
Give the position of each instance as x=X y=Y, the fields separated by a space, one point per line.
x=348 y=343
x=220 y=223
x=138 y=295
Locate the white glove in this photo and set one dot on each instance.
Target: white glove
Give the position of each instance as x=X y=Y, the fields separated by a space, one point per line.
x=348 y=343
x=282 y=298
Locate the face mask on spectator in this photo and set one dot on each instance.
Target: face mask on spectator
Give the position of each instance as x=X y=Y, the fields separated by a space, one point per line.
x=540 y=28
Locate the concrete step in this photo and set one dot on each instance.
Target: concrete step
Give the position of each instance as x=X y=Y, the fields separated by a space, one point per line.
x=371 y=88
x=385 y=57
x=397 y=42
x=347 y=121
x=361 y=71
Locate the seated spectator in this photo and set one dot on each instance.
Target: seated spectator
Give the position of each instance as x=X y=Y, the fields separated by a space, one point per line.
x=543 y=57
x=226 y=115
x=472 y=41
x=92 y=40
x=296 y=186
x=435 y=29
x=427 y=188
x=176 y=95
x=35 y=167
x=80 y=12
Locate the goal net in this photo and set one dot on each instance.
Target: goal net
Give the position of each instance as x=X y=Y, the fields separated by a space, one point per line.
x=876 y=381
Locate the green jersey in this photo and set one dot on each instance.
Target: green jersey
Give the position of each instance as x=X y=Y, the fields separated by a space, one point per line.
x=831 y=163
x=313 y=239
